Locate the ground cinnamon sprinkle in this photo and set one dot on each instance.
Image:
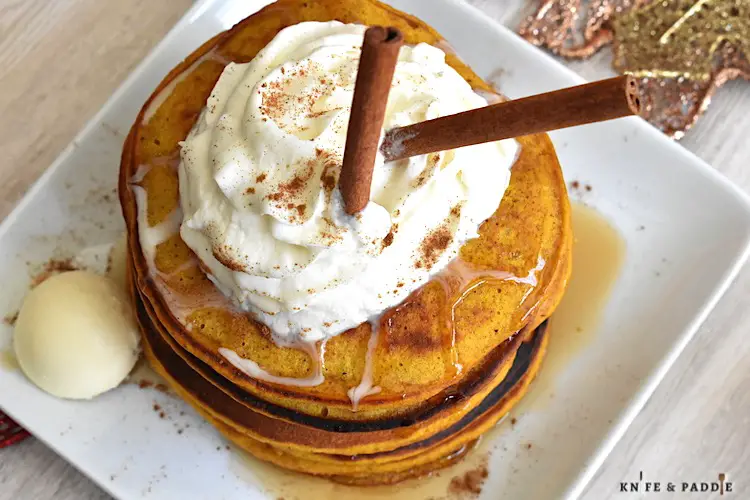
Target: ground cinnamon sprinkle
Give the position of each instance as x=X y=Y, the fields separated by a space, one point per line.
x=388 y=239
x=52 y=267
x=329 y=181
x=471 y=482
x=10 y=319
x=278 y=100
x=330 y=235
x=456 y=210
x=292 y=188
x=297 y=183
x=220 y=254
x=158 y=409
x=433 y=245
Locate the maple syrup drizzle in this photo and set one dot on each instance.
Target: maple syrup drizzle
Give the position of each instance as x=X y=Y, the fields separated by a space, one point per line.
x=459 y=276
x=153 y=236
x=365 y=387
x=253 y=370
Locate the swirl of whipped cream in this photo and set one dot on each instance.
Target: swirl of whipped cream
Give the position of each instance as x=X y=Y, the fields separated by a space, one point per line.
x=259 y=174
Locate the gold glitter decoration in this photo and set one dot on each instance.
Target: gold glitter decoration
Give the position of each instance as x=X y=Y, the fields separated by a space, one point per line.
x=681 y=50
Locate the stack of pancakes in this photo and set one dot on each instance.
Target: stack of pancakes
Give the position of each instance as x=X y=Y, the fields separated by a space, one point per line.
x=449 y=361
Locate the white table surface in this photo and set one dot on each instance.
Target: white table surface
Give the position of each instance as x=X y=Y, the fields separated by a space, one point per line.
x=60 y=61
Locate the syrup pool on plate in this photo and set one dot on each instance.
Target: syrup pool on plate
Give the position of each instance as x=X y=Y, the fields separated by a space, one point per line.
x=8 y=360
x=598 y=254
x=462 y=480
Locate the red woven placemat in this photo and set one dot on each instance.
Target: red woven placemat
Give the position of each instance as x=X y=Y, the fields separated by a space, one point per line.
x=10 y=432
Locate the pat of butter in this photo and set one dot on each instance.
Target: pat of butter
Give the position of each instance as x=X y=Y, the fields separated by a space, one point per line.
x=76 y=336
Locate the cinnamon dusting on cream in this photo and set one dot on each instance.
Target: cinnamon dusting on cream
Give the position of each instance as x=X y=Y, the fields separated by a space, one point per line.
x=434 y=245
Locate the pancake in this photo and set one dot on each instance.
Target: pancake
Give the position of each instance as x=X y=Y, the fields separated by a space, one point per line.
x=450 y=360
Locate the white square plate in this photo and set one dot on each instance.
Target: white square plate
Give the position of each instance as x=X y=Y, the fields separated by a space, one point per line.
x=687 y=231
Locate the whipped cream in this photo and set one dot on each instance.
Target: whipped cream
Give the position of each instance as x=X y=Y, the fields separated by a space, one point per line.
x=259 y=174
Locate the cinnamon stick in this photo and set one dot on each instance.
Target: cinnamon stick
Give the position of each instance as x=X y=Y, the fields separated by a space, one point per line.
x=589 y=103
x=376 y=66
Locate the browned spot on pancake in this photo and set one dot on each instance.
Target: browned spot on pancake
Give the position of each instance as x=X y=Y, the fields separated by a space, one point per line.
x=260 y=178
x=220 y=255
x=481 y=313
x=404 y=327
x=470 y=482
x=433 y=246
x=189 y=115
x=250 y=190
